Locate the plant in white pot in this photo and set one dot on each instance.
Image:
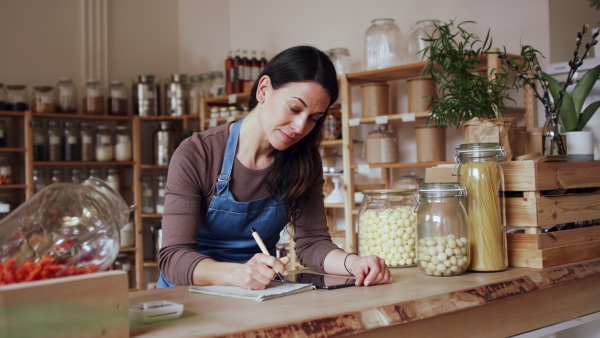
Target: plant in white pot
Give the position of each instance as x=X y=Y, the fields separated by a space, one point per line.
x=564 y=111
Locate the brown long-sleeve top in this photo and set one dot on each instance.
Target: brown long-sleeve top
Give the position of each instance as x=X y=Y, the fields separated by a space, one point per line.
x=193 y=172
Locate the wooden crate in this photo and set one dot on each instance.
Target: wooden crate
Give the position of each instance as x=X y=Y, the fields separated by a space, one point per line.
x=92 y=305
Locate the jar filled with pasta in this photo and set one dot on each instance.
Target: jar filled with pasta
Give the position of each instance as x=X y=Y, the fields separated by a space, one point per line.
x=442 y=237
x=480 y=171
x=387 y=226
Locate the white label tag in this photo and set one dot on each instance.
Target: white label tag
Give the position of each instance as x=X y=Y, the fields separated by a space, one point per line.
x=408 y=117
x=232 y=99
x=363 y=168
x=117 y=94
x=86 y=139
x=212 y=123
x=381 y=119
x=354 y=122
x=54 y=139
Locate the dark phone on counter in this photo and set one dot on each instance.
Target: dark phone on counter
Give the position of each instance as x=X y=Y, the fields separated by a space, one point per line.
x=327 y=282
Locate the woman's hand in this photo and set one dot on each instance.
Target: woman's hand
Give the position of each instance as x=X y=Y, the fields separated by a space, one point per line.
x=258 y=272
x=369 y=270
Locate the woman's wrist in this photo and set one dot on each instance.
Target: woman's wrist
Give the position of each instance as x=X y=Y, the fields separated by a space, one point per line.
x=348 y=263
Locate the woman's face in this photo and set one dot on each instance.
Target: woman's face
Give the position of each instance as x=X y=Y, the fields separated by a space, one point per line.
x=289 y=113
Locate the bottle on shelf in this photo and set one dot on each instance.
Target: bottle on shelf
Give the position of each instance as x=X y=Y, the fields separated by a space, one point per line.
x=104 y=144
x=237 y=72
x=112 y=178
x=42 y=99
x=160 y=193
x=218 y=84
x=94 y=173
x=39 y=179
x=146 y=96
x=263 y=61
x=71 y=142
x=54 y=142
x=123 y=148
x=117 y=99
x=127 y=234
x=39 y=143
x=66 y=94
x=147 y=195
x=6 y=176
x=87 y=141
x=3 y=136
x=77 y=175
x=164 y=143
x=246 y=67
x=176 y=95
x=254 y=66
x=57 y=176
x=195 y=90
x=16 y=98
x=93 y=99
x=229 y=73
x=2 y=97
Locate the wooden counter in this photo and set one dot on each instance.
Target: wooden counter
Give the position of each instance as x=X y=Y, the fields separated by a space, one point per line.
x=496 y=304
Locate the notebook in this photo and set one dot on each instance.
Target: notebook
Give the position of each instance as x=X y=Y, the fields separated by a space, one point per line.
x=274 y=290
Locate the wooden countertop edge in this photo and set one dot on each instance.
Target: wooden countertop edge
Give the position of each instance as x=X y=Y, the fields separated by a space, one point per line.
x=409 y=311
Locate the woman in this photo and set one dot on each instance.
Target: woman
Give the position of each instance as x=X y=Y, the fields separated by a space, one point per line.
x=262 y=172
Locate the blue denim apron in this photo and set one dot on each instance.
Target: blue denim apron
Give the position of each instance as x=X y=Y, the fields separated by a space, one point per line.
x=225 y=233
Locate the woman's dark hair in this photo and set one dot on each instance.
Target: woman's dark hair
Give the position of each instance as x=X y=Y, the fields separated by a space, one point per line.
x=300 y=165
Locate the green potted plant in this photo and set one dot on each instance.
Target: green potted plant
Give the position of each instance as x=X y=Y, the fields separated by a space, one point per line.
x=564 y=111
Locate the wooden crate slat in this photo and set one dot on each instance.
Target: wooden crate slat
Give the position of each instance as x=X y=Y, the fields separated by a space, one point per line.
x=554 y=256
x=569 y=208
x=531 y=176
x=521 y=211
x=553 y=239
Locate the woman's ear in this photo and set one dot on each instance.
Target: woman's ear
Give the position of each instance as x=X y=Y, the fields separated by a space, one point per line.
x=263 y=88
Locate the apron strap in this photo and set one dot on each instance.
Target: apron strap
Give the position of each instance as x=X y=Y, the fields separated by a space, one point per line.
x=227 y=167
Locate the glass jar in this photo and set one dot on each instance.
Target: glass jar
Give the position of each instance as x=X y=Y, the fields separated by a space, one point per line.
x=3 y=135
x=54 y=142
x=71 y=142
x=340 y=57
x=58 y=176
x=104 y=144
x=157 y=241
x=554 y=135
x=408 y=181
x=164 y=143
x=387 y=226
x=127 y=234
x=145 y=94
x=380 y=147
x=112 y=178
x=2 y=97
x=205 y=85
x=176 y=95
x=43 y=99
x=117 y=98
x=332 y=126
x=39 y=143
x=93 y=98
x=39 y=179
x=94 y=173
x=195 y=89
x=123 y=148
x=147 y=195
x=160 y=193
x=87 y=141
x=77 y=176
x=223 y=112
x=218 y=83
x=214 y=112
x=480 y=171
x=6 y=176
x=383 y=44
x=421 y=30
x=442 y=236
x=66 y=94
x=16 y=98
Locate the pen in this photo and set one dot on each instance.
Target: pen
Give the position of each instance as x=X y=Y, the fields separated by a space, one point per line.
x=263 y=248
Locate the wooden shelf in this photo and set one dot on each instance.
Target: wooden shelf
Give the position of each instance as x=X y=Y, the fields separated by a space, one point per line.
x=81 y=163
x=132 y=249
x=227 y=99
x=331 y=143
x=12 y=186
x=403 y=165
x=150 y=264
x=334 y=205
x=151 y=215
x=81 y=116
x=153 y=166
x=12 y=113
x=12 y=150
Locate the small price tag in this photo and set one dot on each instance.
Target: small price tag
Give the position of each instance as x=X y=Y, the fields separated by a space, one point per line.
x=354 y=122
x=232 y=99
x=408 y=117
x=363 y=168
x=212 y=123
x=381 y=119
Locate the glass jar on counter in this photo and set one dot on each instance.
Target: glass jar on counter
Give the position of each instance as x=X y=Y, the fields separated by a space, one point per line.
x=104 y=144
x=123 y=145
x=383 y=44
x=16 y=98
x=164 y=143
x=145 y=94
x=160 y=193
x=39 y=179
x=2 y=97
x=117 y=98
x=340 y=57
x=57 y=176
x=423 y=29
x=480 y=171
x=387 y=226
x=87 y=141
x=147 y=195
x=442 y=235
x=176 y=95
x=43 y=99
x=77 y=176
x=93 y=98
x=39 y=143
x=54 y=142
x=66 y=94
x=71 y=142
x=6 y=176
x=113 y=180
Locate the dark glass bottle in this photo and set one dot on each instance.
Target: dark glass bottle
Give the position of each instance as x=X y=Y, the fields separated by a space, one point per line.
x=39 y=143
x=71 y=142
x=237 y=72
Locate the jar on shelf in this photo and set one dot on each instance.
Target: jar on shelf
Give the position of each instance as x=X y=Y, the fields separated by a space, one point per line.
x=157 y=240
x=223 y=112
x=205 y=85
x=94 y=173
x=43 y=99
x=387 y=226
x=123 y=263
x=160 y=193
x=3 y=135
x=39 y=179
x=112 y=178
x=117 y=98
x=383 y=44
x=147 y=195
x=423 y=29
x=127 y=234
x=442 y=235
x=145 y=93
x=234 y=111
x=87 y=141
x=214 y=112
x=104 y=144
x=164 y=143
x=218 y=83
x=2 y=97
x=54 y=141
x=176 y=95
x=6 y=176
x=77 y=176
x=123 y=144
x=66 y=94
x=381 y=147
x=57 y=176
x=71 y=142
x=480 y=171
x=39 y=140
x=408 y=181
x=195 y=90
x=93 y=98
x=16 y=98
x=5 y=205
x=340 y=57
x=333 y=125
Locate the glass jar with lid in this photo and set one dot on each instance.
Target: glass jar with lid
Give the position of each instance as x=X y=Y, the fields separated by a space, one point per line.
x=57 y=176
x=423 y=29
x=214 y=112
x=145 y=94
x=2 y=97
x=123 y=149
x=176 y=95
x=218 y=83
x=77 y=175
x=117 y=98
x=164 y=143
x=147 y=195
x=94 y=173
x=160 y=193
x=16 y=98
x=112 y=178
x=39 y=143
x=87 y=141
x=66 y=94
x=387 y=226
x=340 y=57
x=480 y=171
x=127 y=233
x=39 y=179
x=6 y=176
x=93 y=98
x=54 y=141
x=383 y=44
x=43 y=99
x=381 y=147
x=408 y=181
x=195 y=89
x=104 y=144
x=442 y=235
x=71 y=142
